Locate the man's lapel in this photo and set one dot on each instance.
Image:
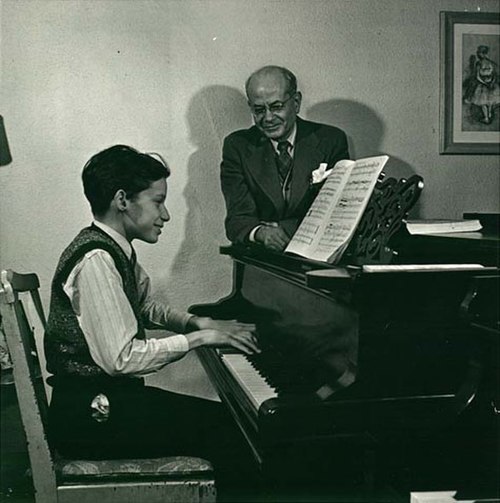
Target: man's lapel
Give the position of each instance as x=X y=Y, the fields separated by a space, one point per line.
x=262 y=167
x=306 y=158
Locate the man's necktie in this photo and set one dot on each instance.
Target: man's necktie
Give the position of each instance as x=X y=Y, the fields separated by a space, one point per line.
x=133 y=258
x=284 y=160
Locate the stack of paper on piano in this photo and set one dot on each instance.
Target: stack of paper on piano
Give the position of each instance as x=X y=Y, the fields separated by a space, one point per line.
x=382 y=268
x=442 y=226
x=331 y=222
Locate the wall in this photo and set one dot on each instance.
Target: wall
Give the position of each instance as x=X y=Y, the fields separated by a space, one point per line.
x=167 y=76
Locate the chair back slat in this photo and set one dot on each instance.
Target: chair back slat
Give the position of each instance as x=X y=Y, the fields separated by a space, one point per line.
x=27 y=377
x=35 y=296
x=32 y=360
x=23 y=282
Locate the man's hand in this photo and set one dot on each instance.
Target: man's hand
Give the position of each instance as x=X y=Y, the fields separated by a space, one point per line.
x=222 y=333
x=272 y=236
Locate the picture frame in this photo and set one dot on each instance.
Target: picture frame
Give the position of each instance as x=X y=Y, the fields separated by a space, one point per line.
x=470 y=87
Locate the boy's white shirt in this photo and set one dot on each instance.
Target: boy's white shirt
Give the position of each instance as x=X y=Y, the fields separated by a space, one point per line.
x=95 y=290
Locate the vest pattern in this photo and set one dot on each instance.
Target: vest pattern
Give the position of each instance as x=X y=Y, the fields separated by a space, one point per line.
x=66 y=350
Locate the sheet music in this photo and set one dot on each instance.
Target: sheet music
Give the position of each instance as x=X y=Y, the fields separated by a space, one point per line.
x=333 y=217
x=316 y=219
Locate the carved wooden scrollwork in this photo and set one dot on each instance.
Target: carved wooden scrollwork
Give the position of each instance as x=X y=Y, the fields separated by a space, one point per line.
x=388 y=207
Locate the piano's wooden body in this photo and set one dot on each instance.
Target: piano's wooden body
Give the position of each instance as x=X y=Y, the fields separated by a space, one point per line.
x=357 y=367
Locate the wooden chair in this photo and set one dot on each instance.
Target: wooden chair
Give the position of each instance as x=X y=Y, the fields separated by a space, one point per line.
x=170 y=479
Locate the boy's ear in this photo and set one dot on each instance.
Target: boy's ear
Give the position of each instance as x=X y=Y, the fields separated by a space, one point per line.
x=120 y=200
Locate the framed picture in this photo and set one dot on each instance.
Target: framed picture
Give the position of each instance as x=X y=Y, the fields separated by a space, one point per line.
x=470 y=88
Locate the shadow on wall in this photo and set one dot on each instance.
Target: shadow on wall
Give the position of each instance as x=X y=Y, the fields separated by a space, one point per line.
x=365 y=133
x=213 y=113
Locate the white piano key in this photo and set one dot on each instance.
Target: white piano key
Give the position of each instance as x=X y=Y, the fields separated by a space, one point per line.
x=252 y=383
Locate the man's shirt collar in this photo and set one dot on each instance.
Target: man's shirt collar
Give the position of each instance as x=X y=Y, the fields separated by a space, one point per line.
x=290 y=139
x=121 y=240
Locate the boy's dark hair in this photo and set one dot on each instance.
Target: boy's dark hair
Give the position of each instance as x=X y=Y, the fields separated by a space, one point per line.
x=119 y=167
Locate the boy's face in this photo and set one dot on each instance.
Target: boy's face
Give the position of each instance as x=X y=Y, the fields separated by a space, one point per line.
x=146 y=213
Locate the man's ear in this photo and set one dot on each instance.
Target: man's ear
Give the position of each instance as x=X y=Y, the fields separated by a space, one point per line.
x=298 y=101
x=120 y=199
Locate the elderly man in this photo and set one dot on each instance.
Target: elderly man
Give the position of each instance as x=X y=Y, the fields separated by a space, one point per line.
x=266 y=170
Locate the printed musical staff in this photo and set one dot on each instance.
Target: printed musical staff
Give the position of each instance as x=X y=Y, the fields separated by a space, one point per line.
x=332 y=219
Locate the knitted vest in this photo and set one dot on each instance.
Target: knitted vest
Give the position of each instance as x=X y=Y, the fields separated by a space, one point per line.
x=66 y=350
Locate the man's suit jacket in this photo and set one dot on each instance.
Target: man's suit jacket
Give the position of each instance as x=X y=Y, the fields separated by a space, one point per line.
x=250 y=180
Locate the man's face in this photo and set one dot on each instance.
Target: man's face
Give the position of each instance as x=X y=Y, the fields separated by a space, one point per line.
x=273 y=107
x=146 y=213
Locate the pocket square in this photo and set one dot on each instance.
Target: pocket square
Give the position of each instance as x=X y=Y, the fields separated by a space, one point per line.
x=320 y=174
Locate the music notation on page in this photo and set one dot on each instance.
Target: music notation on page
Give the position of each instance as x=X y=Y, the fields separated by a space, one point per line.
x=331 y=221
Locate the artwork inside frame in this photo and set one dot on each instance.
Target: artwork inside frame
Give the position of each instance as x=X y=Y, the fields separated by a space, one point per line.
x=470 y=88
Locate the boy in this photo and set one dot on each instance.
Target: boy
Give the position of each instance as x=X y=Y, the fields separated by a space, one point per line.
x=95 y=342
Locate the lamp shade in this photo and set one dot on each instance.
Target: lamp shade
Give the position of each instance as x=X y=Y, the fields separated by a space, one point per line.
x=5 y=156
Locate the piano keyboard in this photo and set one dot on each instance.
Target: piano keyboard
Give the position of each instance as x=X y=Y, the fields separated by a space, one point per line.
x=252 y=383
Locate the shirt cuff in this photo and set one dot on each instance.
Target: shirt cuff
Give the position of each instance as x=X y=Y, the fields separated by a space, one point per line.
x=175 y=344
x=187 y=318
x=251 y=236
x=178 y=321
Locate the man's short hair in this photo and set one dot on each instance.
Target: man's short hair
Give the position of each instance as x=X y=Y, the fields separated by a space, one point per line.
x=119 y=167
x=290 y=78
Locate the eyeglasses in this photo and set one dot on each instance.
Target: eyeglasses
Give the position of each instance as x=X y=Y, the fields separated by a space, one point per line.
x=274 y=108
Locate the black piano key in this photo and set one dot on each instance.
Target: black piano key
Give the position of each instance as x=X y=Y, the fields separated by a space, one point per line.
x=286 y=375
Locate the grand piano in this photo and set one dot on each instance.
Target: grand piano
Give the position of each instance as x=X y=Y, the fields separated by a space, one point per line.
x=360 y=361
